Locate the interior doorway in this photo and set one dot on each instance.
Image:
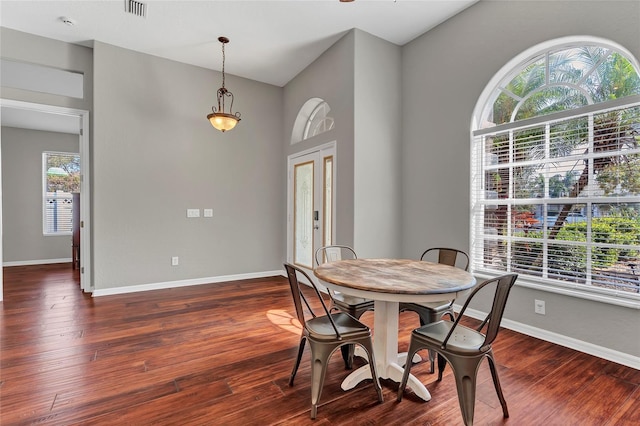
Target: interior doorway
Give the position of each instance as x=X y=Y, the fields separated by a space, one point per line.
x=46 y=117
x=311 y=203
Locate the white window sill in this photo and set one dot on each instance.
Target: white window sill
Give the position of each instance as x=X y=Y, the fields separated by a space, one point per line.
x=619 y=298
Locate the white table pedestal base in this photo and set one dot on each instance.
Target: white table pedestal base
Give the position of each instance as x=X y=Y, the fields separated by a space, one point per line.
x=385 y=348
x=393 y=372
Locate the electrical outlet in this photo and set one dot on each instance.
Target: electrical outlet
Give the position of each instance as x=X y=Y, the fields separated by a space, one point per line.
x=175 y=261
x=539 y=306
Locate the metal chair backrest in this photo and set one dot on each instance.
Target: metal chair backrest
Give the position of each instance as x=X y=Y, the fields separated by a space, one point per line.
x=494 y=317
x=334 y=252
x=298 y=296
x=448 y=256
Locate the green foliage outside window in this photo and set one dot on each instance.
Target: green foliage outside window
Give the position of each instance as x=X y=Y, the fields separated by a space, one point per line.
x=573 y=258
x=63 y=172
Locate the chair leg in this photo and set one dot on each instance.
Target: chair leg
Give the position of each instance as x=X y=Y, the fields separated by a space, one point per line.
x=496 y=383
x=297 y=364
x=413 y=348
x=347 y=355
x=442 y=363
x=317 y=381
x=465 y=370
x=368 y=347
x=319 y=357
x=432 y=361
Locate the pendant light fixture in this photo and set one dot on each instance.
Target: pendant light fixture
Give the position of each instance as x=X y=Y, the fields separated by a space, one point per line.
x=222 y=119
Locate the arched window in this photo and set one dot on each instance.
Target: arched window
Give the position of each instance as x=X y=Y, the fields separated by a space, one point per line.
x=313 y=119
x=556 y=169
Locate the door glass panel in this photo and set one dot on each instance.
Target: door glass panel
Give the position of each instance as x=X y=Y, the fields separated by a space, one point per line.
x=303 y=214
x=327 y=201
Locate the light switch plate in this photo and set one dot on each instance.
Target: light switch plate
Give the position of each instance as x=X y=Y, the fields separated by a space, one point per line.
x=208 y=212
x=193 y=212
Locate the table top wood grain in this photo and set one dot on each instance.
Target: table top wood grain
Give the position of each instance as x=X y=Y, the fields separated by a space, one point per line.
x=395 y=276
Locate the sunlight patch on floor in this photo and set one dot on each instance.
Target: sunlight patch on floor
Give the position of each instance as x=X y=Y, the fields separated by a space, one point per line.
x=284 y=320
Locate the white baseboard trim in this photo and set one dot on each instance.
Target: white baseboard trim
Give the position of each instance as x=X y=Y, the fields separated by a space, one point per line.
x=183 y=283
x=559 y=339
x=36 y=262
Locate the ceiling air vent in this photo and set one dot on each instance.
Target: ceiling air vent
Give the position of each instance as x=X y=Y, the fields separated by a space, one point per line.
x=136 y=8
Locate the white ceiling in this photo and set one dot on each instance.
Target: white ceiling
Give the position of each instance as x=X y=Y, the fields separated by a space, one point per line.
x=270 y=41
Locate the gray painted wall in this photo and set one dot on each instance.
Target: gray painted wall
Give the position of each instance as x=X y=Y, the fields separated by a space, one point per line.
x=355 y=76
x=330 y=77
x=377 y=140
x=444 y=73
x=22 y=237
x=33 y=49
x=155 y=152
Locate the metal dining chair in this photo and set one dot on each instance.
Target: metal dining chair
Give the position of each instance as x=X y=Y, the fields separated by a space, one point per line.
x=354 y=306
x=465 y=348
x=325 y=334
x=432 y=312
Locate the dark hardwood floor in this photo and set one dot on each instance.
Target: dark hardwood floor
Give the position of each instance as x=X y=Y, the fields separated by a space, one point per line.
x=221 y=354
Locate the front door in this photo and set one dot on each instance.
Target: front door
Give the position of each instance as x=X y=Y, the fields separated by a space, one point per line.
x=311 y=204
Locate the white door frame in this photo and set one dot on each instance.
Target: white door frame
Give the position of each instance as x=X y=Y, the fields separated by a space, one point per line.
x=85 y=187
x=291 y=160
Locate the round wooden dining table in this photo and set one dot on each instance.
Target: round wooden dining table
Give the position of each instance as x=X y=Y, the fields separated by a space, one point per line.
x=388 y=282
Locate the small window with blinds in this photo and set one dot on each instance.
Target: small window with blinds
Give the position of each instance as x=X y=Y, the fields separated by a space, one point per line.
x=61 y=178
x=556 y=175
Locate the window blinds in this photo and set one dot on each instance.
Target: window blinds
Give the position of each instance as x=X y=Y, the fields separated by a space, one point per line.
x=558 y=198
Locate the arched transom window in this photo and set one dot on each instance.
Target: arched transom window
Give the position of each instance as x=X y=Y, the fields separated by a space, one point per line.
x=556 y=170
x=313 y=119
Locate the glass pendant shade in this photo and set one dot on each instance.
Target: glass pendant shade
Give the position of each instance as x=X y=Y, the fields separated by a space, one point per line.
x=223 y=122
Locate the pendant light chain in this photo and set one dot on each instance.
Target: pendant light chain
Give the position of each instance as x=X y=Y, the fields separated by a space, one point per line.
x=223 y=58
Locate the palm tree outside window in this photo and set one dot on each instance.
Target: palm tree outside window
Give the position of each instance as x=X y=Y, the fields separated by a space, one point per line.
x=556 y=171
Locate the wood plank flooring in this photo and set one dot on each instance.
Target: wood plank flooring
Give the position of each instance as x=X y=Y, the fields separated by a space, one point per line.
x=221 y=354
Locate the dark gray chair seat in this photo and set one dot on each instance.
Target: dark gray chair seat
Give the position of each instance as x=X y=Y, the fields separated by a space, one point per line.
x=432 y=312
x=464 y=348
x=354 y=306
x=325 y=334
